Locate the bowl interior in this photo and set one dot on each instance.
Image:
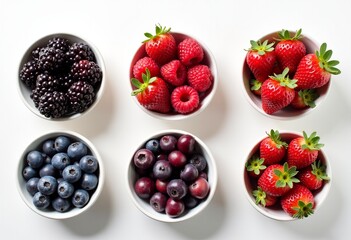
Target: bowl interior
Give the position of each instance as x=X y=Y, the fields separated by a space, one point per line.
x=277 y=213
x=36 y=145
x=24 y=91
x=145 y=207
x=288 y=112
x=205 y=98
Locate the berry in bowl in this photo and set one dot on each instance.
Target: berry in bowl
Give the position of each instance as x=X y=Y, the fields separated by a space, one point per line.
x=173 y=75
x=287 y=176
x=60 y=175
x=286 y=74
x=172 y=176
x=61 y=77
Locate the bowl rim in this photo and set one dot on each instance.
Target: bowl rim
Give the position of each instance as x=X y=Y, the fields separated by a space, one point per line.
x=25 y=195
x=25 y=56
x=162 y=217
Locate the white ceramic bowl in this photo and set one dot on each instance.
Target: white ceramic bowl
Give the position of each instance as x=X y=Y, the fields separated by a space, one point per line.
x=205 y=98
x=24 y=91
x=145 y=207
x=275 y=212
x=36 y=145
x=288 y=112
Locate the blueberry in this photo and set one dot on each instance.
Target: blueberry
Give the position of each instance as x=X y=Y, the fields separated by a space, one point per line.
x=153 y=145
x=29 y=172
x=72 y=173
x=47 y=185
x=168 y=143
x=199 y=161
x=80 y=198
x=77 y=150
x=60 y=180
x=49 y=147
x=35 y=159
x=61 y=143
x=65 y=189
x=61 y=204
x=89 y=181
x=41 y=201
x=162 y=169
x=60 y=160
x=88 y=163
x=47 y=170
x=32 y=185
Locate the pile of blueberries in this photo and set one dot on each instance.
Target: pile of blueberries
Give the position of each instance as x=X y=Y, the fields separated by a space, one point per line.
x=61 y=174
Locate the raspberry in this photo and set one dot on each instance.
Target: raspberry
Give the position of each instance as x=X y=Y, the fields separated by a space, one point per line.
x=174 y=72
x=190 y=52
x=86 y=70
x=185 y=99
x=200 y=78
x=143 y=63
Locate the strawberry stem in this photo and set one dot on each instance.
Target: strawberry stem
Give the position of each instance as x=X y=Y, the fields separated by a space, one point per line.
x=287 y=176
x=285 y=35
x=308 y=97
x=284 y=79
x=140 y=87
x=255 y=164
x=261 y=48
x=260 y=196
x=275 y=136
x=323 y=56
x=159 y=31
x=303 y=210
x=311 y=142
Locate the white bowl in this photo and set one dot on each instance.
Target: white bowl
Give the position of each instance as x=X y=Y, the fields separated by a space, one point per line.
x=144 y=205
x=205 y=98
x=288 y=112
x=24 y=91
x=36 y=145
x=275 y=212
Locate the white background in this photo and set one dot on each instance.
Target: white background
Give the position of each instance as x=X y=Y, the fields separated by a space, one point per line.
x=229 y=126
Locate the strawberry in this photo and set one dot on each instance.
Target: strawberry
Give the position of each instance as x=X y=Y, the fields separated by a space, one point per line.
x=304 y=99
x=190 y=52
x=303 y=151
x=152 y=93
x=261 y=59
x=162 y=46
x=200 y=77
x=185 y=99
x=313 y=176
x=278 y=179
x=174 y=73
x=256 y=86
x=298 y=202
x=272 y=148
x=263 y=199
x=290 y=50
x=143 y=63
x=254 y=166
x=315 y=69
x=277 y=92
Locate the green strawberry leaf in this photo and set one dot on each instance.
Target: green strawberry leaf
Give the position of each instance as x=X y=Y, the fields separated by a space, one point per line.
x=325 y=63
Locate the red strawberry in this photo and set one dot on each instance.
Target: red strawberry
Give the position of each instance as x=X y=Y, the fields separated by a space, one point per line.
x=162 y=46
x=298 y=202
x=185 y=99
x=290 y=50
x=303 y=151
x=264 y=199
x=304 y=99
x=200 y=77
x=278 y=179
x=143 y=63
x=256 y=86
x=174 y=73
x=277 y=92
x=272 y=148
x=261 y=59
x=190 y=52
x=313 y=176
x=255 y=166
x=152 y=93
x=315 y=69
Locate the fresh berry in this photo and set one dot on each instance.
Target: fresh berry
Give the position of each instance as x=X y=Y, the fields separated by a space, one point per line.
x=144 y=63
x=254 y=166
x=79 y=51
x=29 y=172
x=35 y=159
x=144 y=187
x=32 y=185
x=263 y=199
x=177 y=189
x=87 y=71
x=80 y=198
x=153 y=145
x=185 y=99
x=144 y=158
x=162 y=170
x=47 y=185
x=61 y=204
x=89 y=164
x=65 y=189
x=71 y=173
x=41 y=201
x=189 y=173
x=190 y=52
x=168 y=143
x=60 y=160
x=255 y=86
x=53 y=104
x=76 y=150
x=272 y=148
x=199 y=188
x=59 y=43
x=174 y=208
x=313 y=176
x=303 y=151
x=315 y=69
x=61 y=143
x=177 y=159
x=174 y=73
x=81 y=96
x=304 y=99
x=88 y=181
x=277 y=92
x=186 y=143
x=51 y=59
x=45 y=83
x=29 y=73
x=48 y=170
x=158 y=202
x=200 y=77
x=199 y=161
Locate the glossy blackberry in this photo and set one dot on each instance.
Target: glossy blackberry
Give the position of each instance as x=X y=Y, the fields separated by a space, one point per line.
x=86 y=70
x=44 y=83
x=29 y=73
x=81 y=95
x=59 y=43
x=65 y=80
x=53 y=104
x=36 y=52
x=51 y=59
x=79 y=51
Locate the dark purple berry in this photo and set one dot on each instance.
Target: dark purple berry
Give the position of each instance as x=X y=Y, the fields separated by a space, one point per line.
x=162 y=169
x=186 y=144
x=158 y=202
x=168 y=143
x=144 y=187
x=177 y=158
x=199 y=161
x=189 y=173
x=144 y=158
x=177 y=189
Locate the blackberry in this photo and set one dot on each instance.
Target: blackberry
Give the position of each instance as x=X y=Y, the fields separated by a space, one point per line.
x=53 y=104
x=65 y=80
x=44 y=83
x=51 y=59
x=36 y=52
x=86 y=70
x=59 y=43
x=29 y=73
x=79 y=51
x=80 y=95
